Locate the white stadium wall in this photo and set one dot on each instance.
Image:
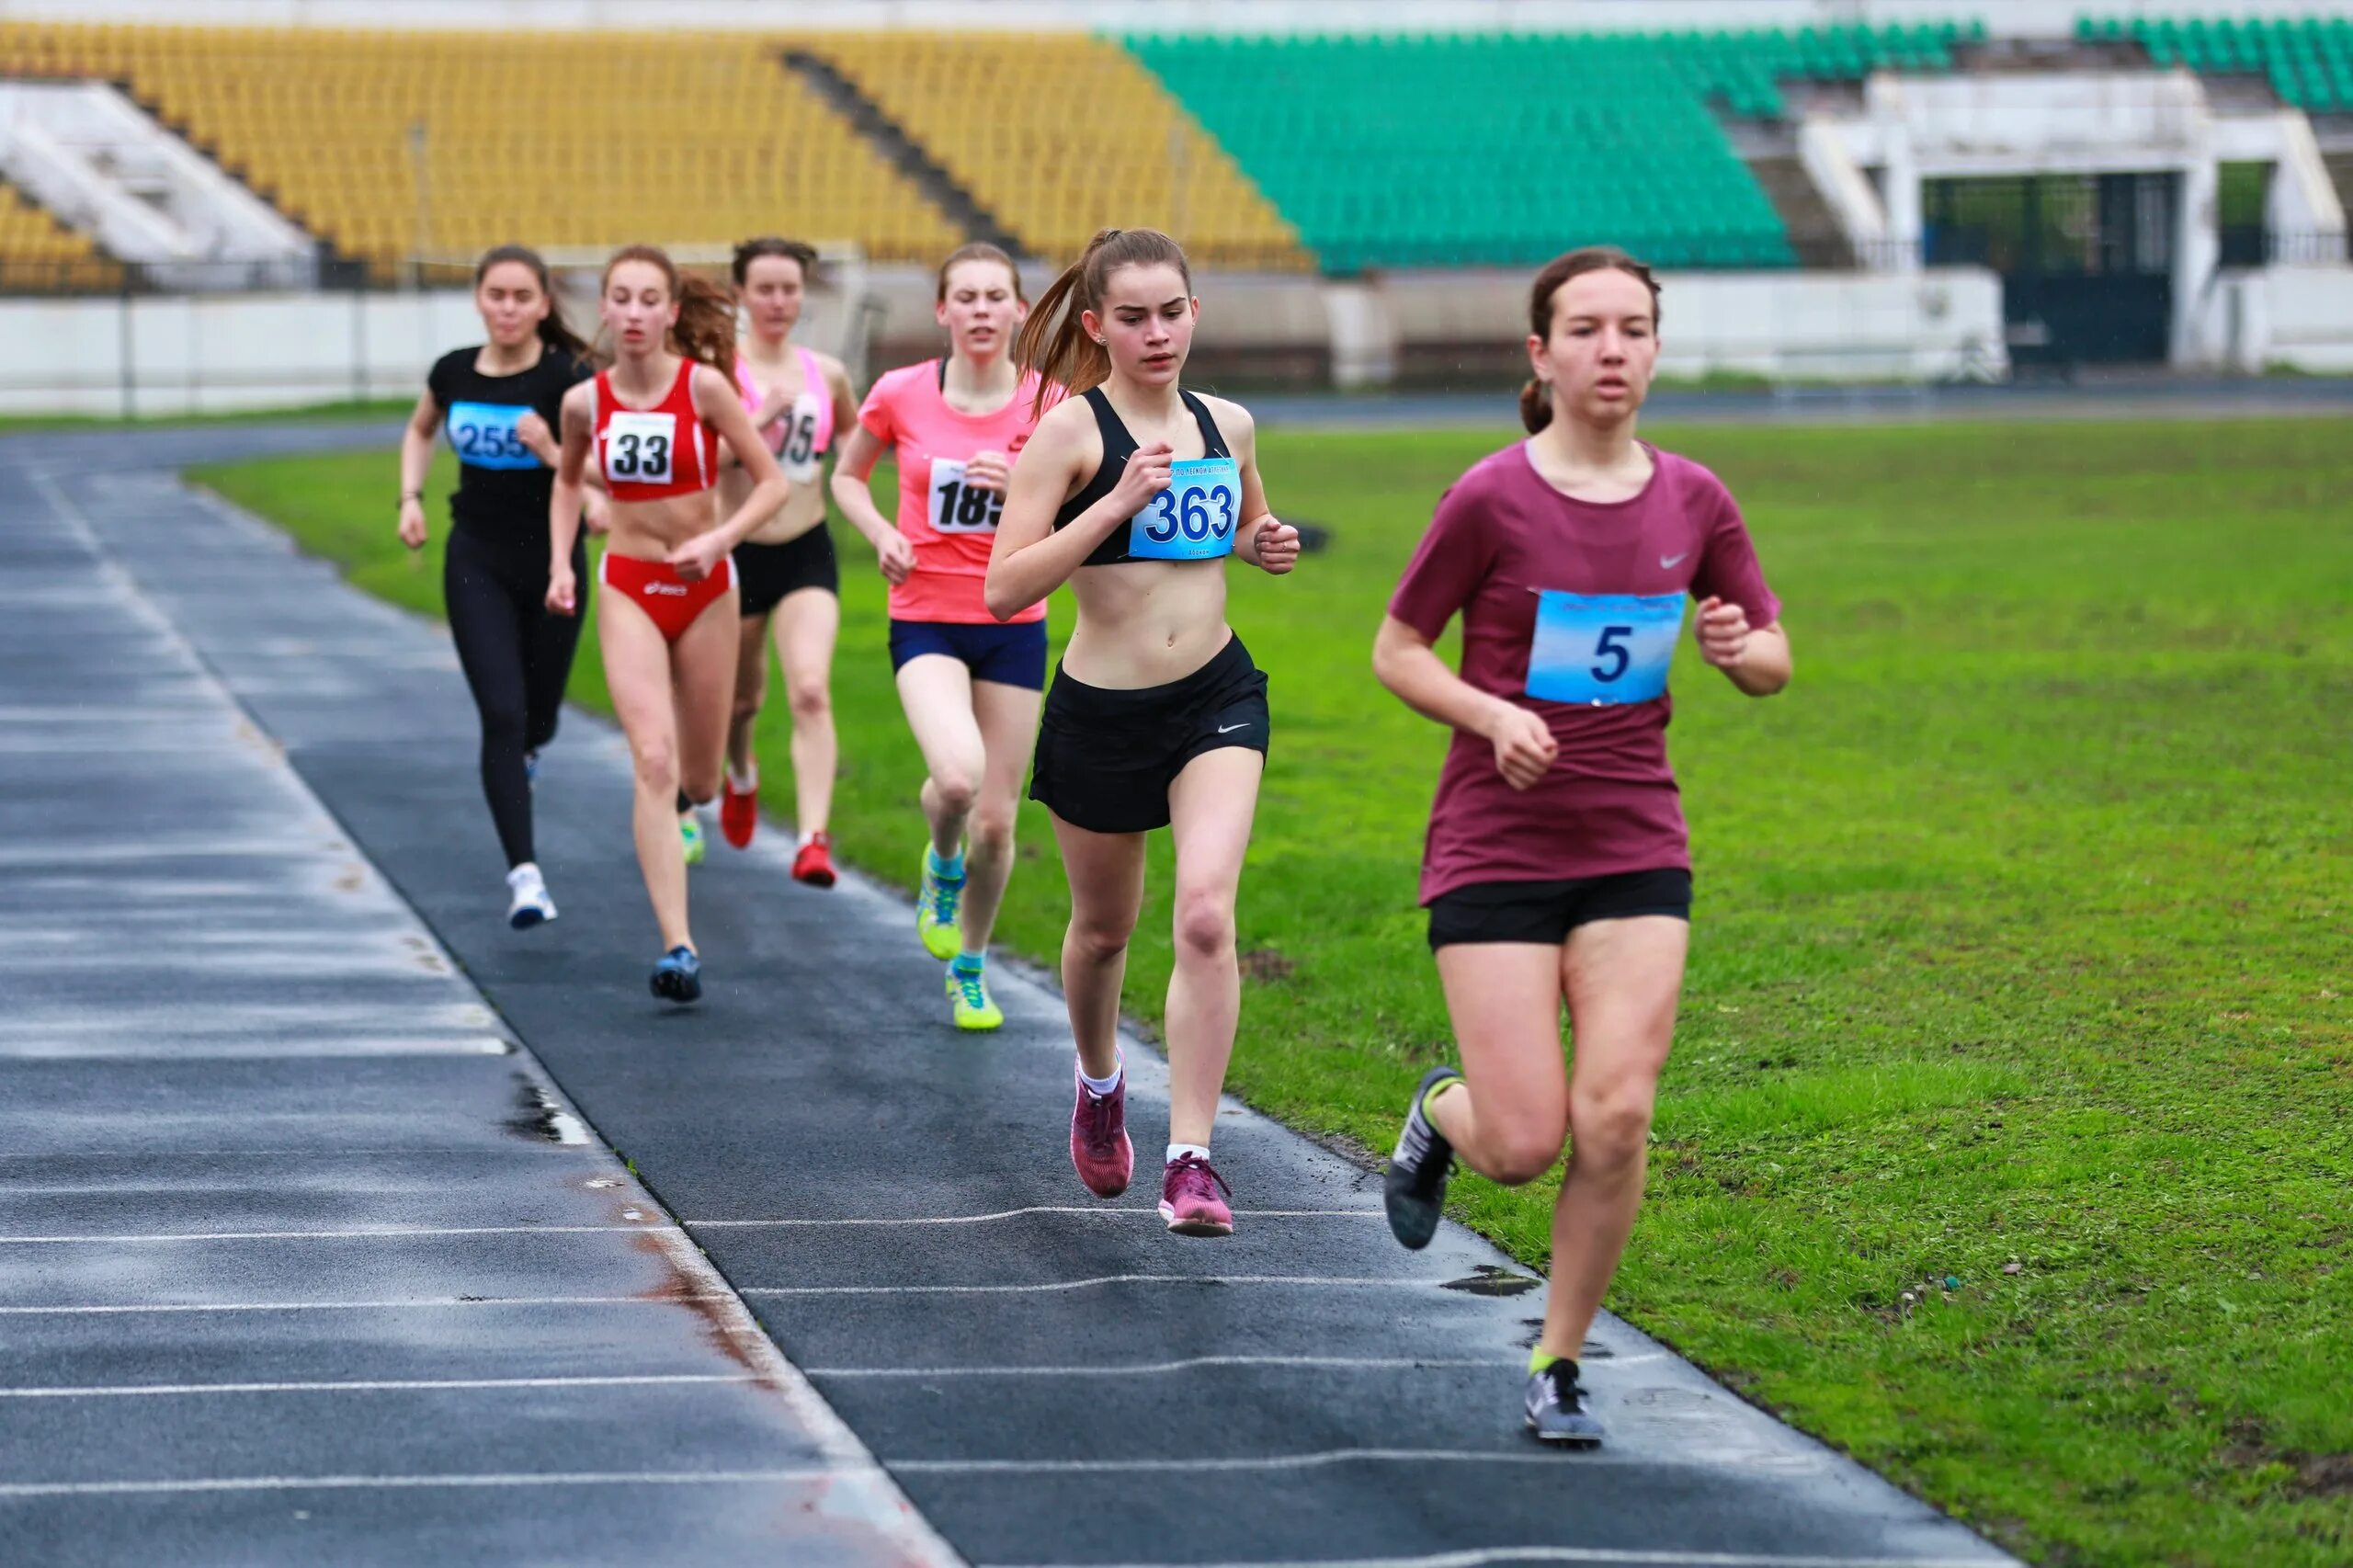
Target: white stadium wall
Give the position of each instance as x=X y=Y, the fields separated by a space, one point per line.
x=182 y=355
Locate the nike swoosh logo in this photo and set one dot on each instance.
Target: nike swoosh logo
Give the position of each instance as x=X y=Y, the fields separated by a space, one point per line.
x=1229 y=729
x=1672 y=561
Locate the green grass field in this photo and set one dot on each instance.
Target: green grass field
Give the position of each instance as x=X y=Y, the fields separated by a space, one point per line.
x=2019 y=978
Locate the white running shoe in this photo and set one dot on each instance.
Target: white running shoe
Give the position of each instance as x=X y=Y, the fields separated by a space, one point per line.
x=530 y=904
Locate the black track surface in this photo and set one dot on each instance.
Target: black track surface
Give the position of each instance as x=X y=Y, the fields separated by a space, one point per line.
x=1051 y=1380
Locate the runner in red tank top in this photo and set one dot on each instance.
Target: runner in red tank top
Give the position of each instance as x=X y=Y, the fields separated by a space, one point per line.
x=652 y=422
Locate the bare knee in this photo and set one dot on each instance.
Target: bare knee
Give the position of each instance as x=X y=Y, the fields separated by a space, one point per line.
x=810 y=702
x=656 y=762
x=954 y=791
x=1518 y=1149
x=1610 y=1128
x=1099 y=940
x=990 y=831
x=1204 y=924
x=747 y=704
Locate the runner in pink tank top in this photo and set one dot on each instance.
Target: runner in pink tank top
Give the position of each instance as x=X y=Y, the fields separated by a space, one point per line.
x=969 y=683
x=798 y=398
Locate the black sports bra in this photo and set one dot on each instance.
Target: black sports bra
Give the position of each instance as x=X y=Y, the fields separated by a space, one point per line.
x=1117 y=444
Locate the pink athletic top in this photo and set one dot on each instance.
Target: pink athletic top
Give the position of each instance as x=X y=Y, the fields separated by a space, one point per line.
x=801 y=438
x=951 y=527
x=1503 y=538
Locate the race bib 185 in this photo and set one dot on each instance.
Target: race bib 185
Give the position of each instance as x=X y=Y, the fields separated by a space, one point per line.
x=961 y=508
x=637 y=445
x=1603 y=648
x=485 y=434
x=1195 y=518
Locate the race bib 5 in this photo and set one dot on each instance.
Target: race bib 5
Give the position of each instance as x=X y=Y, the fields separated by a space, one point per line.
x=1602 y=649
x=485 y=434
x=958 y=507
x=1195 y=518
x=638 y=446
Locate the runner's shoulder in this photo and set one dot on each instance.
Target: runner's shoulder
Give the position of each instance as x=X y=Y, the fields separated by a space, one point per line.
x=1233 y=421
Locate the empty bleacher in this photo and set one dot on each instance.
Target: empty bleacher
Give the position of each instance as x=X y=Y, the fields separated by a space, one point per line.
x=400 y=143
x=39 y=255
x=1058 y=134
x=2308 y=61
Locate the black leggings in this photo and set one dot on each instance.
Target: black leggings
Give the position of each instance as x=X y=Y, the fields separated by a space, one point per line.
x=518 y=657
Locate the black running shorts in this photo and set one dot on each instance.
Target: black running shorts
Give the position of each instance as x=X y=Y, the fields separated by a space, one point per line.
x=1548 y=911
x=1105 y=758
x=765 y=572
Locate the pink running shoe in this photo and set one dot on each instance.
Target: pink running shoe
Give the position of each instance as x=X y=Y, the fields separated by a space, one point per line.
x=1099 y=1149
x=1190 y=1200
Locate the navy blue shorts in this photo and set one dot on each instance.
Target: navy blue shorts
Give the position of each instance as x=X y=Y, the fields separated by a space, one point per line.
x=1009 y=655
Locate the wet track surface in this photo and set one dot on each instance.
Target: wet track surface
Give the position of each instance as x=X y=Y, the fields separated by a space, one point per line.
x=1051 y=1380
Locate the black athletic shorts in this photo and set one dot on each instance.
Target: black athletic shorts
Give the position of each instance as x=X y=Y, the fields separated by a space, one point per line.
x=765 y=572
x=1105 y=758
x=1548 y=911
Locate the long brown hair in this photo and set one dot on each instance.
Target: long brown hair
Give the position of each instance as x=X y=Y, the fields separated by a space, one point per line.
x=1535 y=399
x=706 y=326
x=555 y=332
x=1053 y=341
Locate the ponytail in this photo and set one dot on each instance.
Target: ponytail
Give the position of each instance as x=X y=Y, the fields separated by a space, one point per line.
x=705 y=331
x=1536 y=397
x=555 y=334
x=1054 y=344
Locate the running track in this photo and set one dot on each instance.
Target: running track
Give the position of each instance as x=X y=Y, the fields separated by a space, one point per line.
x=1048 y=1379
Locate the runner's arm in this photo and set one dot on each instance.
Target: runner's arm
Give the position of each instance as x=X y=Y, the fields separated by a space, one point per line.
x=417 y=461
x=854 y=463
x=571 y=469
x=1259 y=538
x=1404 y=661
x=716 y=400
x=1757 y=661
x=1030 y=558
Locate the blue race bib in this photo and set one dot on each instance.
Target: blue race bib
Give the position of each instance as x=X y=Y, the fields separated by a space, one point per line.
x=1603 y=648
x=1195 y=518
x=486 y=435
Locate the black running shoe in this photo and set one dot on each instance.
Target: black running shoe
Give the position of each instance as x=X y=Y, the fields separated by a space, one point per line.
x=679 y=976
x=1556 y=1411
x=1416 y=1189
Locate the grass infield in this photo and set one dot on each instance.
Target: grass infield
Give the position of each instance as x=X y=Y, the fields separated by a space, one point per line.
x=2008 y=1137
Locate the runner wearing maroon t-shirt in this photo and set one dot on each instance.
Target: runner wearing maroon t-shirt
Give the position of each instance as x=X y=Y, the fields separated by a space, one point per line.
x=1557 y=866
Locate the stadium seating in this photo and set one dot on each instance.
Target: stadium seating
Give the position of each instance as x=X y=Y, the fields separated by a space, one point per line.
x=1057 y=134
x=582 y=139
x=39 y=254
x=2309 y=61
x=1446 y=149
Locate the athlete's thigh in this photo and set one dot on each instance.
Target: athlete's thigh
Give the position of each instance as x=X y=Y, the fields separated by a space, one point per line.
x=751 y=657
x=1106 y=874
x=1008 y=719
x=1503 y=1000
x=936 y=692
x=703 y=662
x=1623 y=980
x=490 y=640
x=1210 y=804
x=637 y=673
x=808 y=622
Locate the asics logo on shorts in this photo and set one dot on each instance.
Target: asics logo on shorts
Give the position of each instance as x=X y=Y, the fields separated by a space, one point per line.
x=678 y=588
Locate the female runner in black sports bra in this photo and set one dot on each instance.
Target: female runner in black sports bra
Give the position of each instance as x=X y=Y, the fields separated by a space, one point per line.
x=1134 y=495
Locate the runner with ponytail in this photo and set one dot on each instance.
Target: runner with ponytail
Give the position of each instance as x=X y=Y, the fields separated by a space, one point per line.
x=1134 y=494
x=652 y=421
x=500 y=400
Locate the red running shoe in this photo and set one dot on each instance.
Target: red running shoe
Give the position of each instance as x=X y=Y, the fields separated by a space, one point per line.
x=1099 y=1149
x=814 y=864
x=739 y=813
x=1190 y=1200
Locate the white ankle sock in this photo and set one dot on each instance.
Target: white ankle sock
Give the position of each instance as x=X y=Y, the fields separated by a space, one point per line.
x=745 y=783
x=1179 y=1151
x=1098 y=1087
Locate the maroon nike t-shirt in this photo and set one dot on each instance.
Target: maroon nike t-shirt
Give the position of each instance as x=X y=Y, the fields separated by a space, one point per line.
x=1502 y=539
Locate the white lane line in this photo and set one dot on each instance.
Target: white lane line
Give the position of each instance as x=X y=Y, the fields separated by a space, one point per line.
x=152 y=1048
x=1380 y=1281
x=364 y=1233
x=1099 y=1209
x=382 y=1385
x=364 y=1482
x=1316 y=1460
x=1150 y=1369
x=128 y=1309
x=1630 y=1557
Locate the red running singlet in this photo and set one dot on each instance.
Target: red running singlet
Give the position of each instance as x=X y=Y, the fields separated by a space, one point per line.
x=649 y=454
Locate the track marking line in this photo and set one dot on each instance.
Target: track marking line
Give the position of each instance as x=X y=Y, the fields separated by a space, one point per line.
x=127 y=1309
x=1380 y=1281
x=1149 y=1368
x=1098 y=1210
x=383 y=1385
x=363 y=1483
x=1631 y=1557
x=366 y=1233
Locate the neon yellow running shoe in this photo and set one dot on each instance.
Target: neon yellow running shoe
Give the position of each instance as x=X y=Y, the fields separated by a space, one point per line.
x=969 y=1000
x=936 y=904
x=690 y=834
